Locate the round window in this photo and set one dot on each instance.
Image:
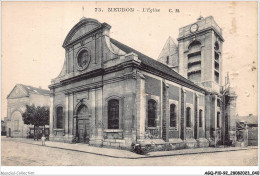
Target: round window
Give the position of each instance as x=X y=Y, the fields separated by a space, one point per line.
x=83 y=59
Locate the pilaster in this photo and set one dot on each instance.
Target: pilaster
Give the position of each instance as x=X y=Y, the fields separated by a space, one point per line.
x=66 y=124
x=196 y=115
x=141 y=106
x=51 y=116
x=207 y=116
x=99 y=115
x=93 y=117
x=214 y=117
x=70 y=115
x=183 y=115
x=166 y=113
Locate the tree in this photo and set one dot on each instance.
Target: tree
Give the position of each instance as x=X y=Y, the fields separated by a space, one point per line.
x=36 y=116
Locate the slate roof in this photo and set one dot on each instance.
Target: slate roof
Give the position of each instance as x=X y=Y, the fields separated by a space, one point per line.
x=35 y=90
x=154 y=63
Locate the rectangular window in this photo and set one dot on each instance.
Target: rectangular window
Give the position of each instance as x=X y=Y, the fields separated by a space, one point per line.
x=218 y=119
x=200 y=118
x=59 y=122
x=218 y=102
x=113 y=114
x=152 y=110
x=216 y=77
x=188 y=117
x=173 y=115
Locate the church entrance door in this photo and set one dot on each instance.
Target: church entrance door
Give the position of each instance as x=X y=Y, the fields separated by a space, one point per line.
x=83 y=124
x=83 y=127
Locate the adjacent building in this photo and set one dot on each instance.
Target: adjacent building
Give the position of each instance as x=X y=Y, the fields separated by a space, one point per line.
x=20 y=96
x=109 y=94
x=251 y=123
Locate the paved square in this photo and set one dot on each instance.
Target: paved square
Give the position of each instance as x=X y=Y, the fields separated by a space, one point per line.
x=15 y=153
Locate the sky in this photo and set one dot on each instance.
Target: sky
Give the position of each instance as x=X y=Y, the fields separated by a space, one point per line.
x=33 y=34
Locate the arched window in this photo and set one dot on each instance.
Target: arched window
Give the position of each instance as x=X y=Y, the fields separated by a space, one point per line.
x=173 y=118
x=194 y=61
x=152 y=113
x=188 y=117
x=200 y=118
x=59 y=117
x=194 y=45
x=113 y=114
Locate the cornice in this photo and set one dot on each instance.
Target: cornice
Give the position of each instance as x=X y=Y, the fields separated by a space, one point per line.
x=200 y=32
x=95 y=73
x=99 y=84
x=89 y=34
x=171 y=78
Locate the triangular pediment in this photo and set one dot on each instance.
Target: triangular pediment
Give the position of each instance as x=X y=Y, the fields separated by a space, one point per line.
x=85 y=26
x=18 y=92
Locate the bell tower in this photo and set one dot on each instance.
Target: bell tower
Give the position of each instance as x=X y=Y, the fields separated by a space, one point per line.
x=200 y=53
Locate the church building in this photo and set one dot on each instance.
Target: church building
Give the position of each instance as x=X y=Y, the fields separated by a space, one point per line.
x=109 y=94
x=20 y=96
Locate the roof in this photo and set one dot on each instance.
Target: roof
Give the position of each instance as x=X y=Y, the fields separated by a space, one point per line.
x=249 y=119
x=169 y=48
x=34 y=90
x=154 y=63
x=30 y=89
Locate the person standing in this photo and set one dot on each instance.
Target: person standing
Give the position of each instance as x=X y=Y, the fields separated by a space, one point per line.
x=43 y=140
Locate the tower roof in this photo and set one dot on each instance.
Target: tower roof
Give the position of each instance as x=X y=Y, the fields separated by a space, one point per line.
x=169 y=47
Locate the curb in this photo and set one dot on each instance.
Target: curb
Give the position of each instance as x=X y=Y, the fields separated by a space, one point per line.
x=141 y=156
x=194 y=153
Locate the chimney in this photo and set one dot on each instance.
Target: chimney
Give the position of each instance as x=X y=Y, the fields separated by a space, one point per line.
x=250 y=115
x=40 y=87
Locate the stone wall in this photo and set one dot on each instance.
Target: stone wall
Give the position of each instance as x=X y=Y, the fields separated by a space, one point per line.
x=16 y=107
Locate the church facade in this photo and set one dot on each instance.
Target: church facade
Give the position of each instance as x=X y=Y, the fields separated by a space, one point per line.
x=109 y=94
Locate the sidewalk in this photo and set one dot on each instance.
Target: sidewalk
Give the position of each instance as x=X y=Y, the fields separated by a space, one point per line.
x=116 y=153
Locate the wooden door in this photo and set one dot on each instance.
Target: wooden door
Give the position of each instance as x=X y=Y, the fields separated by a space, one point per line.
x=84 y=130
x=83 y=124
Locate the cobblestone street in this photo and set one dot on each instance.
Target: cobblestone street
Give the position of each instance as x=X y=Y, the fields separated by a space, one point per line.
x=15 y=153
